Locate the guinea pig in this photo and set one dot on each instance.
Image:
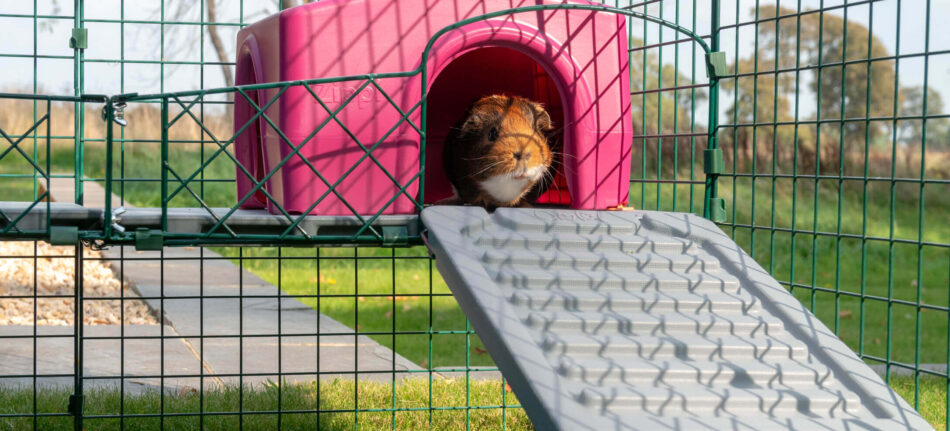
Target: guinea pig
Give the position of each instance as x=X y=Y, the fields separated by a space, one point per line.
x=498 y=155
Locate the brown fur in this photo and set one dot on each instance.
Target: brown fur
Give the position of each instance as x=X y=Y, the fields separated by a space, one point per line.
x=520 y=142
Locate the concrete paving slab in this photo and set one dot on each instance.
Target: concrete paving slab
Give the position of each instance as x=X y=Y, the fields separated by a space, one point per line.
x=339 y=356
x=185 y=266
x=52 y=359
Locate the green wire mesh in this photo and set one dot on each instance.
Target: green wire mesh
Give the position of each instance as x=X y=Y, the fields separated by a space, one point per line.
x=834 y=135
x=832 y=174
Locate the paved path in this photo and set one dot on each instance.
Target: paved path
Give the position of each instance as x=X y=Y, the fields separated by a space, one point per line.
x=94 y=195
x=264 y=311
x=201 y=335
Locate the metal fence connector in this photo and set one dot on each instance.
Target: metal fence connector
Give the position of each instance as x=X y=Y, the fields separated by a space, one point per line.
x=115 y=217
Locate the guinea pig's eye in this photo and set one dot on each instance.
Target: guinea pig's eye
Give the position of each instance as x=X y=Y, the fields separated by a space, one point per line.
x=493 y=134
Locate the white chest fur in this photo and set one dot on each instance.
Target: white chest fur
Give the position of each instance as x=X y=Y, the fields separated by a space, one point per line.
x=507 y=188
x=504 y=188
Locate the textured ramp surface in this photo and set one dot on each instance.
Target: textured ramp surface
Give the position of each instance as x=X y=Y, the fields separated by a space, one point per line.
x=648 y=320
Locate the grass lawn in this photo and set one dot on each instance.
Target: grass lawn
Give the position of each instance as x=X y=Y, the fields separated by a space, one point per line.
x=448 y=398
x=933 y=397
x=16 y=190
x=377 y=403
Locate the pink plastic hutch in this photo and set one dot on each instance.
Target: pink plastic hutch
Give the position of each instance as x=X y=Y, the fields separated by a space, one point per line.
x=574 y=61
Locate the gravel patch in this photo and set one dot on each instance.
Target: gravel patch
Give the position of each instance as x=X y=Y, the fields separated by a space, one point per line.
x=54 y=276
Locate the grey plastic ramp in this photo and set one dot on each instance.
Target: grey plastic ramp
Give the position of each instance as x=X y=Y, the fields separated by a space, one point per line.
x=648 y=320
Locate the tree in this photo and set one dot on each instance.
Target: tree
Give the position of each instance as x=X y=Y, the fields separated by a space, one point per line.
x=756 y=100
x=657 y=109
x=181 y=10
x=219 y=49
x=912 y=130
x=647 y=75
x=286 y=4
x=219 y=45
x=825 y=42
x=845 y=90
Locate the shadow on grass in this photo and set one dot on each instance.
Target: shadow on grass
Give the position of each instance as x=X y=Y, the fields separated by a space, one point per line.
x=338 y=404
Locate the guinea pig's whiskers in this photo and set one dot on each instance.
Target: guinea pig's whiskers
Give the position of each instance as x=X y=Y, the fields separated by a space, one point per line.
x=567 y=170
x=554 y=182
x=487 y=168
x=548 y=179
x=475 y=159
x=558 y=153
x=557 y=187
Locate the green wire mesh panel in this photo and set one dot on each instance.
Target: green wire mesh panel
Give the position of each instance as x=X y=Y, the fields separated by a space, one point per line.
x=835 y=140
x=833 y=175
x=670 y=96
x=26 y=157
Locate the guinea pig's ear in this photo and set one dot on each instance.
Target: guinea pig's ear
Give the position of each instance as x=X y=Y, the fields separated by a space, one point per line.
x=542 y=120
x=474 y=121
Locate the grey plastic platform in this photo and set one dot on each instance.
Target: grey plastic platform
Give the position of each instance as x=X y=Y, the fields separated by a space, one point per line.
x=184 y=220
x=649 y=320
x=197 y=220
x=60 y=214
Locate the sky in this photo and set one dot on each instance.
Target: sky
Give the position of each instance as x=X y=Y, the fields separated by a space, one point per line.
x=140 y=43
x=912 y=36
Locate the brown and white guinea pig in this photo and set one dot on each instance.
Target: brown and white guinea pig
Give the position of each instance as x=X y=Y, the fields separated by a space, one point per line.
x=498 y=154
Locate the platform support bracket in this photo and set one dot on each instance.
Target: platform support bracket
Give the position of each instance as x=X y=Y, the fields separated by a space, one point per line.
x=395 y=236
x=149 y=239
x=63 y=235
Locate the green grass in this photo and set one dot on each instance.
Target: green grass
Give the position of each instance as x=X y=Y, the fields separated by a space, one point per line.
x=16 y=189
x=17 y=173
x=214 y=183
x=139 y=163
x=933 y=397
x=890 y=270
x=448 y=399
x=336 y=398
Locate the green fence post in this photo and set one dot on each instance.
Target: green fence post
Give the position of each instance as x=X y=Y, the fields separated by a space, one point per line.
x=713 y=206
x=78 y=106
x=108 y=116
